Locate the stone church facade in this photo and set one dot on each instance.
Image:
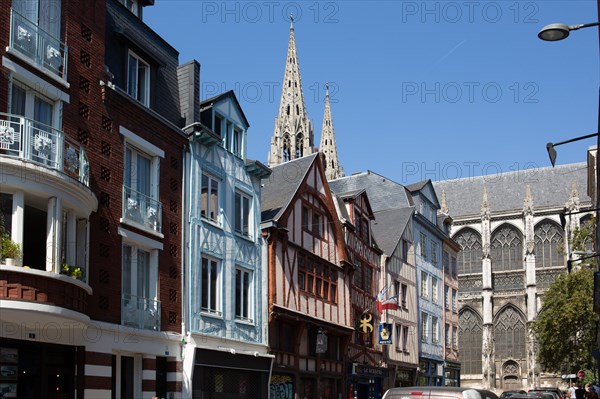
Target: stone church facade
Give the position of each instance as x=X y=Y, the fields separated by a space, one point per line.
x=512 y=248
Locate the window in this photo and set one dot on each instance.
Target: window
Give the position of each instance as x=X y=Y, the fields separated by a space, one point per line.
x=447 y=336
x=470 y=336
x=424 y=326
x=140 y=182
x=453 y=263
x=434 y=290
x=405 y=251
x=242 y=214
x=510 y=334
x=424 y=286
x=363 y=276
x=140 y=307
x=470 y=255
x=36 y=33
x=423 y=246
x=434 y=253
x=132 y=5
x=447 y=296
x=548 y=242
x=435 y=337
x=398 y=331
x=362 y=226
x=404 y=290
x=209 y=291
x=317 y=225
x=141 y=206
x=454 y=292
x=44 y=139
x=317 y=278
x=218 y=127
x=454 y=337
x=138 y=79
x=405 y=338
x=243 y=295
x=446 y=262
x=237 y=142
x=210 y=197
x=506 y=249
x=305 y=218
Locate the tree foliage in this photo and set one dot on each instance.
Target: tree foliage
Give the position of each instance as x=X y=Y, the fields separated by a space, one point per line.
x=566 y=325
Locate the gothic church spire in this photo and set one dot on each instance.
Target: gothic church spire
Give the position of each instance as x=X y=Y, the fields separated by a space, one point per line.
x=328 y=148
x=293 y=133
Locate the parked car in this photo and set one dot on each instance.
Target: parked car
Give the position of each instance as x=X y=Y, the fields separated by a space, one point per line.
x=557 y=391
x=438 y=393
x=508 y=394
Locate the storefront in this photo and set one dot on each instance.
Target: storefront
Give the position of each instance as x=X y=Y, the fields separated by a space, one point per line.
x=37 y=370
x=365 y=382
x=405 y=377
x=430 y=373
x=452 y=374
x=220 y=374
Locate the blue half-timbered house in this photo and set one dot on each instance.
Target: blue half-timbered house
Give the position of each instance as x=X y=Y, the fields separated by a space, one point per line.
x=226 y=292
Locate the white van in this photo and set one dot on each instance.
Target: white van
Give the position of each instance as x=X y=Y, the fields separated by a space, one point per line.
x=438 y=393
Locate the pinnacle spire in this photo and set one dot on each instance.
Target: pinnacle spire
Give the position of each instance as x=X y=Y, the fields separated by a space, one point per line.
x=328 y=147
x=444 y=204
x=293 y=133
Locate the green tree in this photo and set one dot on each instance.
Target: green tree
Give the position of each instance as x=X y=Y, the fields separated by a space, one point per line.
x=566 y=325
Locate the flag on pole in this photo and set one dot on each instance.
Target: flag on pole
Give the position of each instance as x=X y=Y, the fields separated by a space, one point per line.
x=385 y=302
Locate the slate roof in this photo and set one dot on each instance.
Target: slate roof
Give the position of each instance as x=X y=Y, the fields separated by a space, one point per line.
x=418 y=186
x=389 y=226
x=279 y=189
x=550 y=187
x=383 y=193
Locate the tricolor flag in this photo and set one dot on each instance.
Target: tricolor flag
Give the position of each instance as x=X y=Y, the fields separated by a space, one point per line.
x=383 y=302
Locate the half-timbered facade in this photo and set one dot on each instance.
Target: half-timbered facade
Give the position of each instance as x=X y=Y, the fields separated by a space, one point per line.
x=365 y=357
x=394 y=233
x=225 y=309
x=310 y=320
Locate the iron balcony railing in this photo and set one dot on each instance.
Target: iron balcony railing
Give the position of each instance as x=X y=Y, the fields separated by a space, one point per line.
x=139 y=312
x=36 y=142
x=142 y=209
x=33 y=42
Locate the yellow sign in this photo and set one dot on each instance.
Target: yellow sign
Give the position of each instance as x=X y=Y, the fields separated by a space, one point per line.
x=365 y=322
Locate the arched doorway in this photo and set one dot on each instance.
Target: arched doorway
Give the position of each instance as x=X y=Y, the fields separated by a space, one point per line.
x=510 y=376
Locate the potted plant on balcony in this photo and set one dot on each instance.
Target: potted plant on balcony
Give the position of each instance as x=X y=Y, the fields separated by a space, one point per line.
x=10 y=250
x=72 y=270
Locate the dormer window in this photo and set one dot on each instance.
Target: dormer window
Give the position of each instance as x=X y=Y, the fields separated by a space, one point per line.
x=231 y=134
x=138 y=79
x=133 y=6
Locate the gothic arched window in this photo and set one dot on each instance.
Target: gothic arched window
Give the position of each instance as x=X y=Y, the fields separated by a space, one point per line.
x=297 y=110
x=470 y=335
x=469 y=256
x=506 y=249
x=299 y=144
x=288 y=110
x=286 y=148
x=510 y=334
x=587 y=222
x=548 y=242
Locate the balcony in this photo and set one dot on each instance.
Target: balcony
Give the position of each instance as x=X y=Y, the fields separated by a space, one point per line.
x=31 y=141
x=139 y=312
x=42 y=287
x=45 y=51
x=142 y=209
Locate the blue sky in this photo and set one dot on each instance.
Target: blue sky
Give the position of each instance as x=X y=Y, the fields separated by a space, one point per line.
x=419 y=89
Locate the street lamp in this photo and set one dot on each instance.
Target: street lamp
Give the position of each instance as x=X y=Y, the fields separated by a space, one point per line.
x=552 y=151
x=555 y=32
